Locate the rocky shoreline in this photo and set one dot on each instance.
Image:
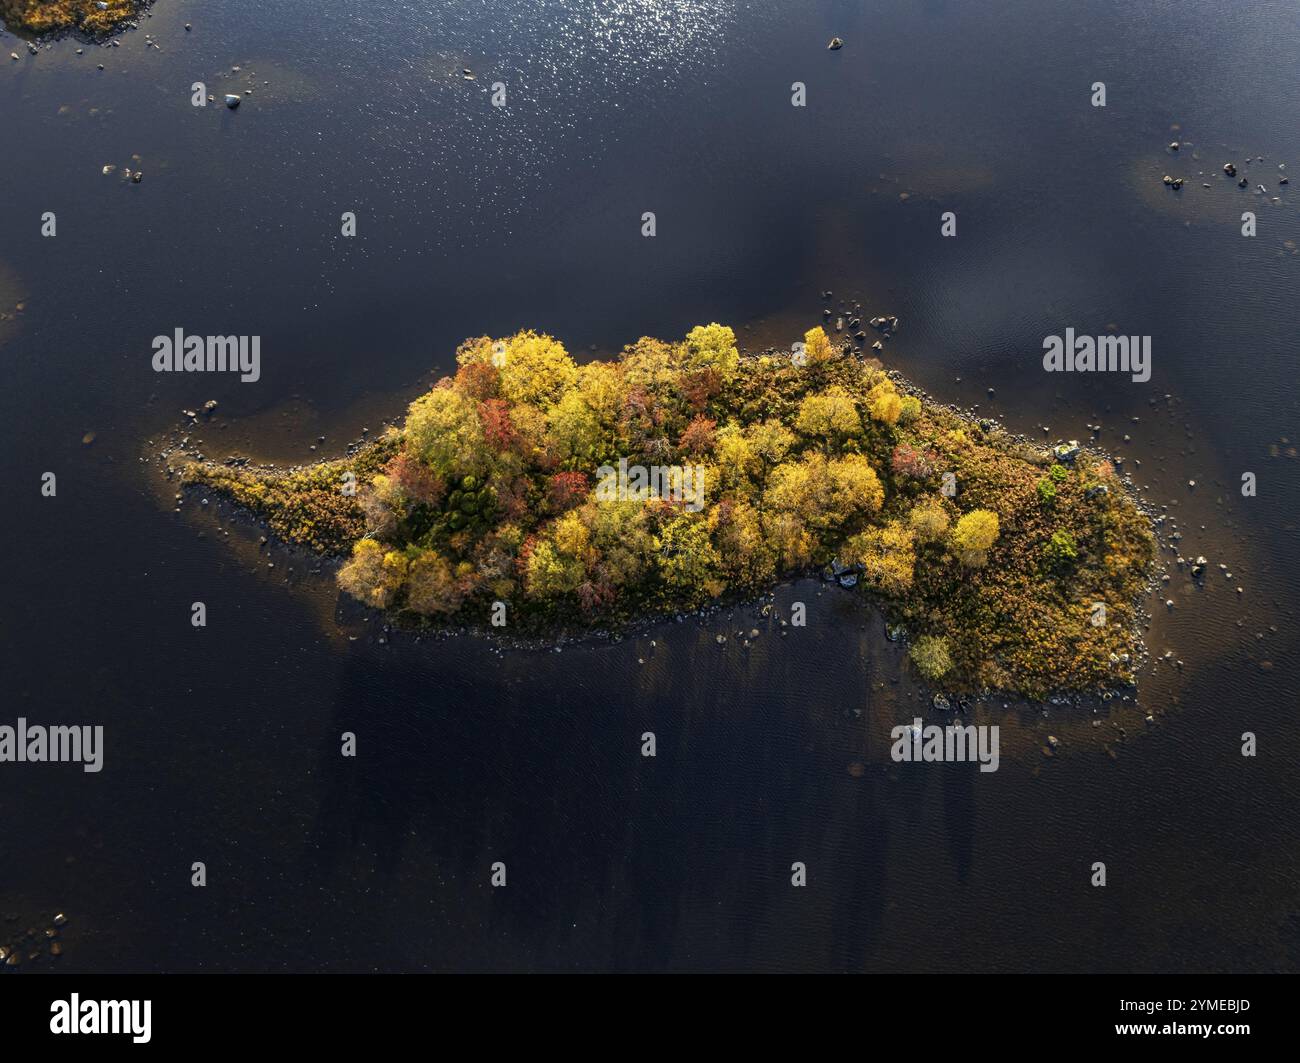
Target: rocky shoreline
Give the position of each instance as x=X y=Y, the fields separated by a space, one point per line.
x=91 y=19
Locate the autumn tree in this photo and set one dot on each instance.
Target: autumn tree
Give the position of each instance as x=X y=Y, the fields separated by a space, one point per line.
x=770 y=440
x=498 y=426
x=478 y=380
x=536 y=369
x=928 y=521
x=603 y=387
x=433 y=586
x=698 y=438
x=688 y=562
x=790 y=538
x=747 y=558
x=373 y=575
x=443 y=430
x=886 y=555
x=831 y=415
x=912 y=462
x=651 y=364
x=565 y=490
x=972 y=536
x=884 y=403
x=817 y=345
x=712 y=347
x=575 y=434
x=826 y=493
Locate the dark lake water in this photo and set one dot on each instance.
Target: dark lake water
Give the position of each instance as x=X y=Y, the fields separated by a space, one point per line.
x=222 y=745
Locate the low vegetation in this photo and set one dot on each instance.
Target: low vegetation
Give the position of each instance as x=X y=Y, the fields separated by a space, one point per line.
x=989 y=552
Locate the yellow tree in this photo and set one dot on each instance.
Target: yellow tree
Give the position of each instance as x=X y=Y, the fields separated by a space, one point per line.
x=884 y=402
x=929 y=520
x=536 y=369
x=831 y=415
x=443 y=430
x=817 y=345
x=973 y=534
x=886 y=555
x=712 y=347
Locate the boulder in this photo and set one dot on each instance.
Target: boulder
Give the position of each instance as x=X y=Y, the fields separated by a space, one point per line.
x=1065 y=453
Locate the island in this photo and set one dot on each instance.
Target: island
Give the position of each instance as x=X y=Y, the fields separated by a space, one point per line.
x=531 y=489
x=91 y=17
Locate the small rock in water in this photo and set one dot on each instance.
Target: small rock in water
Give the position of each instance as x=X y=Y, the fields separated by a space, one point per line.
x=835 y=45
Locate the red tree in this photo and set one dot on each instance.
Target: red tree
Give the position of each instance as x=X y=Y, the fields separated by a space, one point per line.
x=908 y=461
x=417 y=481
x=567 y=489
x=698 y=437
x=498 y=428
x=479 y=380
